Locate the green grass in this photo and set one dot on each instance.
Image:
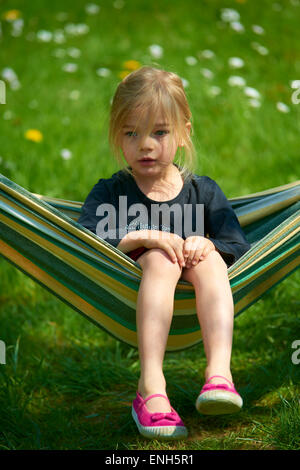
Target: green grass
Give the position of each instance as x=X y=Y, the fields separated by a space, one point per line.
x=66 y=384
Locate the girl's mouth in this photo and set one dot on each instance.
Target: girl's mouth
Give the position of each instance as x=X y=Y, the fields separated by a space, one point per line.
x=146 y=161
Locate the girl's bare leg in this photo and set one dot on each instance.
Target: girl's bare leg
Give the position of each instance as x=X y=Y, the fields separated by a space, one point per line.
x=215 y=309
x=155 y=304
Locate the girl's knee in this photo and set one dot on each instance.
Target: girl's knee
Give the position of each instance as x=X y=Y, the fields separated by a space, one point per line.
x=158 y=260
x=212 y=266
x=215 y=260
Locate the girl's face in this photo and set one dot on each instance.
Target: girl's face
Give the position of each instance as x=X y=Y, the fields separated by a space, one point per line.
x=148 y=154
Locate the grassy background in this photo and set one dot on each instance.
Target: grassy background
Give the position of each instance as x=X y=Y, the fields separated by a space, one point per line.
x=66 y=384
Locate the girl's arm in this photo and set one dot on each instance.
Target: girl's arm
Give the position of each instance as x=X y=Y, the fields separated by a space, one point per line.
x=131 y=241
x=223 y=226
x=171 y=243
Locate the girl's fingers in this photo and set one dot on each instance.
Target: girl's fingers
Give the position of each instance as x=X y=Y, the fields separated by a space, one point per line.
x=191 y=253
x=190 y=257
x=171 y=252
x=179 y=255
x=205 y=253
x=197 y=257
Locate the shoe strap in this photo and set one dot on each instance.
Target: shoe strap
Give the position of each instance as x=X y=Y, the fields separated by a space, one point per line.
x=221 y=377
x=156 y=395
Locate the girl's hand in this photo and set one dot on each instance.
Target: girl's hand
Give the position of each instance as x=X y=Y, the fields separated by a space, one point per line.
x=171 y=243
x=195 y=249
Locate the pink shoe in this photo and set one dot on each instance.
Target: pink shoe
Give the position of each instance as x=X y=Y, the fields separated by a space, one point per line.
x=217 y=399
x=157 y=425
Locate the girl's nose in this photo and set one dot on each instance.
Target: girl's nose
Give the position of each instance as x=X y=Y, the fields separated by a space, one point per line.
x=146 y=142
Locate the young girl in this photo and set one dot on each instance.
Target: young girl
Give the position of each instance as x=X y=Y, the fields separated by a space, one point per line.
x=150 y=126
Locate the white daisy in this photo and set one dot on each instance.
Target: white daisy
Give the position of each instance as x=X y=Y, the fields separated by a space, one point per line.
x=44 y=36
x=70 y=67
x=262 y=50
x=207 y=54
x=66 y=154
x=190 y=60
x=156 y=51
x=74 y=95
x=7 y=115
x=236 y=62
x=282 y=107
x=92 y=9
x=76 y=29
x=9 y=74
x=207 y=73
x=59 y=36
x=214 y=91
x=74 y=52
x=229 y=14
x=237 y=26
x=82 y=28
x=103 y=72
x=17 y=27
x=251 y=92
x=254 y=103
x=185 y=82
x=258 y=29
x=235 y=80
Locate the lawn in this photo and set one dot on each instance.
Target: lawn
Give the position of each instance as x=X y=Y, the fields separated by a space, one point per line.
x=67 y=384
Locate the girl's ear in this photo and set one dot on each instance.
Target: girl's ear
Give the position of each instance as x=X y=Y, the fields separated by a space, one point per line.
x=189 y=127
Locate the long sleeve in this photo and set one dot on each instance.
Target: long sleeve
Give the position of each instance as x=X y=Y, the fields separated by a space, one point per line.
x=222 y=225
x=90 y=216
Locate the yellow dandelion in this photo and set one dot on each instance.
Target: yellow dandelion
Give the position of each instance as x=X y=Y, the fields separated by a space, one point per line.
x=11 y=15
x=132 y=65
x=34 y=135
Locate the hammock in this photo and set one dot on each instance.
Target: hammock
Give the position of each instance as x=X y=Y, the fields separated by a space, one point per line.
x=40 y=236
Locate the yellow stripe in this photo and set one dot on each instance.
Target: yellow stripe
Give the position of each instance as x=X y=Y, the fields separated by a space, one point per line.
x=47 y=226
x=88 y=238
x=257 y=253
x=114 y=287
x=118 y=330
x=122 y=292
x=75 y=300
x=254 y=216
x=263 y=286
x=275 y=190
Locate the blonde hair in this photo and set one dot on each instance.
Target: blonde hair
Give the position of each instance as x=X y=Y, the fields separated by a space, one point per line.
x=149 y=91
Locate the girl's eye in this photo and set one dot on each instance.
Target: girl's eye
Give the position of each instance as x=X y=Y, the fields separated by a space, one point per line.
x=131 y=134
x=161 y=132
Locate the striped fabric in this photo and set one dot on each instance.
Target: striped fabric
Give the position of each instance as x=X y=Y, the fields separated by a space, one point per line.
x=41 y=237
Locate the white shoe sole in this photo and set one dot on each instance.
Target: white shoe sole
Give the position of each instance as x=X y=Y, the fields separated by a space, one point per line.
x=217 y=402
x=160 y=432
